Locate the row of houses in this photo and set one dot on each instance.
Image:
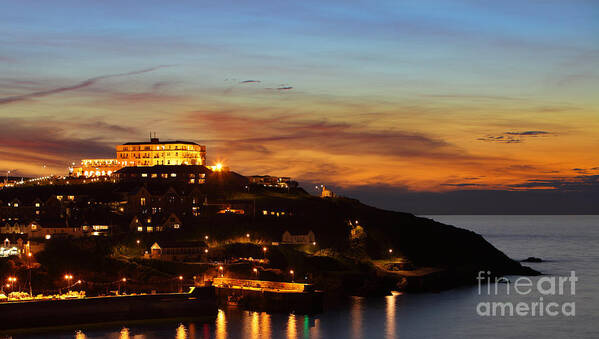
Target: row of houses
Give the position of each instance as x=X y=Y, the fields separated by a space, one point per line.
x=143 y=199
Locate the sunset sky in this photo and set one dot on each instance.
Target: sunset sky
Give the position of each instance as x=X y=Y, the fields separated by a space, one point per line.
x=408 y=95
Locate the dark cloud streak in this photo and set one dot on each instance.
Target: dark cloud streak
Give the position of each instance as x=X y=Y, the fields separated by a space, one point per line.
x=82 y=84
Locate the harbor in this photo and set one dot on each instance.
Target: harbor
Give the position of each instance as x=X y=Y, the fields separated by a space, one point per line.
x=199 y=303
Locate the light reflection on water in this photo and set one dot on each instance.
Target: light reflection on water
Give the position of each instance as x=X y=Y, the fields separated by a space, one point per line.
x=237 y=323
x=357 y=308
x=390 y=311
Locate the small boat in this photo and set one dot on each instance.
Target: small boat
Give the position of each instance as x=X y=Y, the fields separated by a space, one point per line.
x=234 y=300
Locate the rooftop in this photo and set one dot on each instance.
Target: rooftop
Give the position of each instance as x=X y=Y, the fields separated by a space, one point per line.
x=158 y=142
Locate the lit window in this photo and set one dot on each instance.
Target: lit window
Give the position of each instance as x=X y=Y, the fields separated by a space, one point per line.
x=173 y=175
x=142 y=201
x=144 y=175
x=16 y=204
x=176 y=226
x=154 y=175
x=265 y=212
x=150 y=229
x=140 y=229
x=37 y=204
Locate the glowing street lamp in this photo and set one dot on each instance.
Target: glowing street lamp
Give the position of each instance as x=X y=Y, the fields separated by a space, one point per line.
x=292 y=275
x=247 y=235
x=11 y=283
x=68 y=278
x=220 y=269
x=206 y=237
x=12 y=280
x=124 y=281
x=256 y=272
x=390 y=251
x=29 y=255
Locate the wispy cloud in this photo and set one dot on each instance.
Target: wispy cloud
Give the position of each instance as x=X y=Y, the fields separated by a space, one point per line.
x=82 y=84
x=528 y=133
x=514 y=137
x=472 y=96
x=30 y=143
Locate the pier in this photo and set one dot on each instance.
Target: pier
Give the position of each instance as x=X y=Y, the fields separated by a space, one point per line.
x=269 y=295
x=200 y=302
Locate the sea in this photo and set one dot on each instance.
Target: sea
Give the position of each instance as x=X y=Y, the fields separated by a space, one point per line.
x=568 y=245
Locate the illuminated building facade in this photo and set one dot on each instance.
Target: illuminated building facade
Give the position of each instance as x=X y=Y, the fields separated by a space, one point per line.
x=96 y=168
x=152 y=153
x=158 y=152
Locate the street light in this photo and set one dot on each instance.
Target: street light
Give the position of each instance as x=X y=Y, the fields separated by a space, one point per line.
x=11 y=282
x=390 y=251
x=124 y=280
x=29 y=255
x=220 y=269
x=256 y=271
x=180 y=283
x=68 y=278
x=206 y=237
x=247 y=235
x=292 y=274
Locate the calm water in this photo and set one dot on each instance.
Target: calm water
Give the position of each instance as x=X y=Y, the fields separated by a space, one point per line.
x=569 y=242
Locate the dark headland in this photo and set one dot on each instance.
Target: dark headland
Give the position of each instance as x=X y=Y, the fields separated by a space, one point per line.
x=357 y=249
